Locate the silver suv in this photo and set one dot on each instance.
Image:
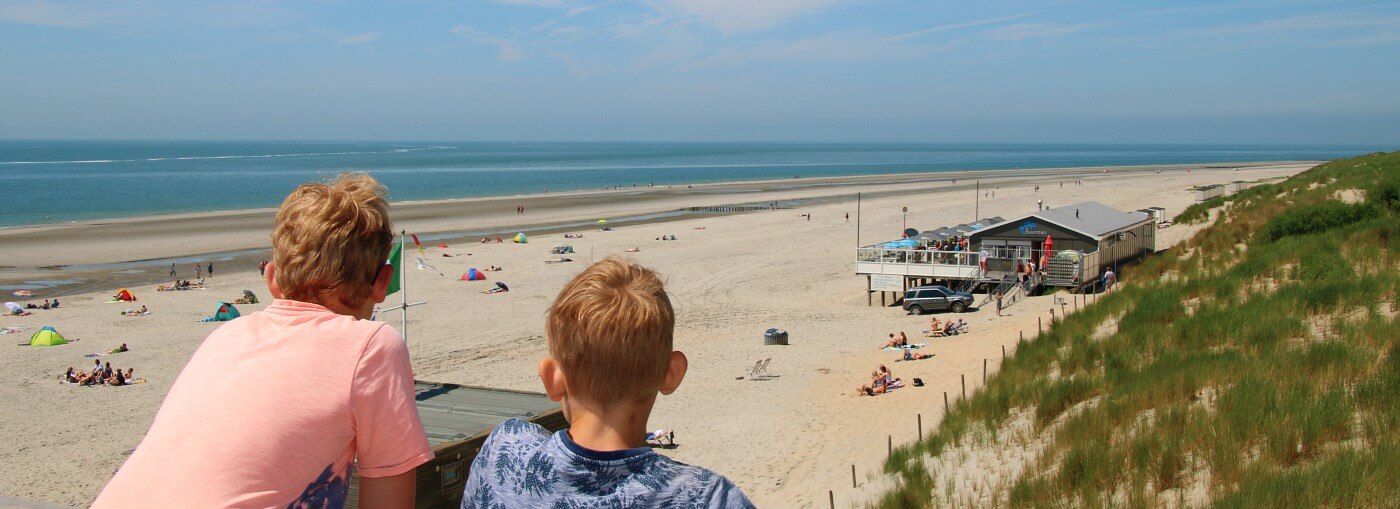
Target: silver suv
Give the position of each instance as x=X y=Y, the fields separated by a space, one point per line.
x=936 y=298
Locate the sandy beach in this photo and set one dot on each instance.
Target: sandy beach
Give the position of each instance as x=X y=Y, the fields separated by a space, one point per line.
x=784 y=441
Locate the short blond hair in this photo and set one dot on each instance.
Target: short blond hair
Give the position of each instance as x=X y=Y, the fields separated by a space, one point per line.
x=610 y=330
x=330 y=240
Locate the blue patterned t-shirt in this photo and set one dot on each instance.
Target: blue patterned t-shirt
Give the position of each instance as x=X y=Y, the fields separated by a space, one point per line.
x=523 y=465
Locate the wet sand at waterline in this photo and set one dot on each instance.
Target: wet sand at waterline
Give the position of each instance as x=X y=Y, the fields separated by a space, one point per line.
x=784 y=441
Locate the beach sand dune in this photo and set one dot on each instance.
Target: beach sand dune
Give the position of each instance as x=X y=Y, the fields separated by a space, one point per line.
x=784 y=441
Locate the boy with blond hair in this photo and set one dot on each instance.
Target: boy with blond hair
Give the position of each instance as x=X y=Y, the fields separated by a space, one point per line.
x=274 y=406
x=609 y=333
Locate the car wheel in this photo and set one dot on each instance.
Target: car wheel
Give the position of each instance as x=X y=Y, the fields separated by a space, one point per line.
x=958 y=307
x=916 y=309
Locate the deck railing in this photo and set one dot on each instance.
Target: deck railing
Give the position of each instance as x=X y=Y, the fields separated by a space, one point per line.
x=916 y=262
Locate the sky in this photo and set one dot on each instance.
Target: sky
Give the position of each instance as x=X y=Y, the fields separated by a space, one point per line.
x=1256 y=72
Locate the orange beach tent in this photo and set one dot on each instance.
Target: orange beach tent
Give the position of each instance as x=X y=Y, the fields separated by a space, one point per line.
x=125 y=295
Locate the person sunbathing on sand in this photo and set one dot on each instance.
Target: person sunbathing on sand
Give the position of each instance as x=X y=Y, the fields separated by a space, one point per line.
x=119 y=349
x=897 y=342
x=909 y=355
x=888 y=375
x=877 y=385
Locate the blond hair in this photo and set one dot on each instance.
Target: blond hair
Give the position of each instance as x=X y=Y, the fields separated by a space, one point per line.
x=330 y=240
x=610 y=330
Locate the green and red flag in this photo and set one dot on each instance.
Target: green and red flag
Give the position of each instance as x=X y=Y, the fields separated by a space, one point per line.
x=396 y=264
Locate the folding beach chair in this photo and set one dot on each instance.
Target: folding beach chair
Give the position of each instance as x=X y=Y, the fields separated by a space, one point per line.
x=753 y=372
x=661 y=438
x=760 y=370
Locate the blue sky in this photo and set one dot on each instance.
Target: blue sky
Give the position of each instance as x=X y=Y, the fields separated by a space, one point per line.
x=703 y=70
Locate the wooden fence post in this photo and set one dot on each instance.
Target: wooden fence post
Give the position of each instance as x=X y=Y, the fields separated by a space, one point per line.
x=964 y=385
x=984 y=371
x=853 y=476
x=1003 y=353
x=921 y=427
x=831 y=497
x=1038 y=328
x=945 y=404
x=889 y=446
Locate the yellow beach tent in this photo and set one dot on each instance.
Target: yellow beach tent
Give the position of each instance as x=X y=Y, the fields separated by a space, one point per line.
x=47 y=336
x=520 y=239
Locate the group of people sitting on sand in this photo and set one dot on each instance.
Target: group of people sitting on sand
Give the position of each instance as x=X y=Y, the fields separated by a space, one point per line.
x=136 y=312
x=573 y=235
x=46 y=305
x=948 y=328
x=882 y=380
x=486 y=240
x=102 y=374
x=666 y=237
x=901 y=342
x=183 y=284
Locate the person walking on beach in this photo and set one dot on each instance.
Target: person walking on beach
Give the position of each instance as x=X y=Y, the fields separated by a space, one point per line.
x=198 y=271
x=280 y=434
x=998 y=302
x=172 y=271
x=211 y=269
x=848 y=217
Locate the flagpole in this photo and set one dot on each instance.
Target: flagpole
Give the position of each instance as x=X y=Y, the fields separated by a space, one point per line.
x=403 y=286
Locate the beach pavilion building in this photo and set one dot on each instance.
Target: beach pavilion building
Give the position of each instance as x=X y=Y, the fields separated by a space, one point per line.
x=1070 y=246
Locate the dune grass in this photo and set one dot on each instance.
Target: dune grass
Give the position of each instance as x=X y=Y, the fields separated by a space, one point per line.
x=1257 y=364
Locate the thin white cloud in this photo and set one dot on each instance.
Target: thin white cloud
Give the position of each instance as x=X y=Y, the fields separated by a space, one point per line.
x=956 y=26
x=360 y=38
x=508 y=51
x=1369 y=40
x=1024 y=31
x=745 y=15
x=580 y=10
x=44 y=13
x=1305 y=23
x=535 y=3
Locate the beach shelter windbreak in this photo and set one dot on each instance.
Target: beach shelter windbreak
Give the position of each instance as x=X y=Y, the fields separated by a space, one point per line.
x=520 y=239
x=473 y=275
x=224 y=313
x=125 y=295
x=47 y=336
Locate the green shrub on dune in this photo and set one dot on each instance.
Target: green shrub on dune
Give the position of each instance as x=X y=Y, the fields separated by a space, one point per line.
x=1266 y=376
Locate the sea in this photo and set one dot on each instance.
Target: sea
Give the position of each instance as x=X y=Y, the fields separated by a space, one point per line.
x=65 y=181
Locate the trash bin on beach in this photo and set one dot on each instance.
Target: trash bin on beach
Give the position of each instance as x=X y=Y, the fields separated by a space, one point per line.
x=775 y=337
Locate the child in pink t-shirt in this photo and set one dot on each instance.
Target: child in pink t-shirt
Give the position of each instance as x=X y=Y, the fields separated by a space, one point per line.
x=274 y=407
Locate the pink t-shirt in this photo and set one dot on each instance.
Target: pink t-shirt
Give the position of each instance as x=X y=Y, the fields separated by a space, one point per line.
x=270 y=412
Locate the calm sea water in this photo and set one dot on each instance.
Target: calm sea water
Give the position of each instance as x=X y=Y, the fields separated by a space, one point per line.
x=60 y=181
